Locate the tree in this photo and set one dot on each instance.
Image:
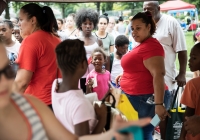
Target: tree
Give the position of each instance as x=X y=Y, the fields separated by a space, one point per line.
x=98 y=4
x=195 y=2
x=7 y=15
x=107 y=6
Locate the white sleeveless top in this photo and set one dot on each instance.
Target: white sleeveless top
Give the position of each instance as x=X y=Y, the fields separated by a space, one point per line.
x=89 y=49
x=116 y=69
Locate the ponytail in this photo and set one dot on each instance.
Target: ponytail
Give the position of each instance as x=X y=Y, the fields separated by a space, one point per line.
x=147 y=19
x=44 y=15
x=105 y=15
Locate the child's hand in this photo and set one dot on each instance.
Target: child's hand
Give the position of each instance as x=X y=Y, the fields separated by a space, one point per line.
x=101 y=112
x=192 y=125
x=90 y=83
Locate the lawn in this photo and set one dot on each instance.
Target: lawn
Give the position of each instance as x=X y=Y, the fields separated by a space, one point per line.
x=189 y=43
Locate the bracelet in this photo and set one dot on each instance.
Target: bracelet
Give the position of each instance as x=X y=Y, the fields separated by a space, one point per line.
x=159 y=104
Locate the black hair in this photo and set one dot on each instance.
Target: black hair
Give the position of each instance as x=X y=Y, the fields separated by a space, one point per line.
x=194 y=37
x=84 y=14
x=121 y=40
x=59 y=19
x=197 y=46
x=69 y=54
x=7 y=22
x=147 y=19
x=100 y=50
x=105 y=15
x=121 y=18
x=44 y=15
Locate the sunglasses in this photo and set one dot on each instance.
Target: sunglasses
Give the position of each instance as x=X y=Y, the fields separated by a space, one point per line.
x=10 y=71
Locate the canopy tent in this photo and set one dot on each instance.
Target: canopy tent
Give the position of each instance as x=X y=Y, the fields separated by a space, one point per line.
x=176 y=5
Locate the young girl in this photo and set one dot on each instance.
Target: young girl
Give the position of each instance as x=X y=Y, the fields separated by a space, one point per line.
x=191 y=94
x=97 y=79
x=196 y=38
x=70 y=106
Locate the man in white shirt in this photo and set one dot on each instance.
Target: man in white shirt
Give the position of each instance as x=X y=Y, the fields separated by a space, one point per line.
x=171 y=37
x=12 y=47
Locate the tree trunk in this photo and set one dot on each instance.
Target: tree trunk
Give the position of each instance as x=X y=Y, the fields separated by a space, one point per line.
x=63 y=10
x=98 y=6
x=7 y=14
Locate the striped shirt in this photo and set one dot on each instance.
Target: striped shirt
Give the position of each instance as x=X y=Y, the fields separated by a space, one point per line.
x=37 y=131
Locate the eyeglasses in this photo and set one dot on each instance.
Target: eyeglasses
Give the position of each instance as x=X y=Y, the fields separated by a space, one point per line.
x=9 y=71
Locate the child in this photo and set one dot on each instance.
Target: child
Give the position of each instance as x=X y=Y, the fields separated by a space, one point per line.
x=97 y=79
x=114 y=65
x=191 y=94
x=17 y=34
x=196 y=38
x=70 y=106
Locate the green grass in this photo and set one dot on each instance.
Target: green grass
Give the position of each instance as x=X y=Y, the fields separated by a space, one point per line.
x=189 y=44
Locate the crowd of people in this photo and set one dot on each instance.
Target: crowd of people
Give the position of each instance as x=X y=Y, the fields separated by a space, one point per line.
x=48 y=65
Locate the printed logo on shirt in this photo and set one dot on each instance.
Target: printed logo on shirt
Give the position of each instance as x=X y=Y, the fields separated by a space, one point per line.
x=12 y=57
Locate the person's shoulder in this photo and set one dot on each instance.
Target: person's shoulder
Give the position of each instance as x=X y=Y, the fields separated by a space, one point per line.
x=109 y=35
x=194 y=82
x=169 y=18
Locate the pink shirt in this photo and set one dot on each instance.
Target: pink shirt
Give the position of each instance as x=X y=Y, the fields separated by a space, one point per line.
x=102 y=82
x=72 y=108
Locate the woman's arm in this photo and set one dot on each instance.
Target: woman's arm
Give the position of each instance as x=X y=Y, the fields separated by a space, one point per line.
x=107 y=65
x=111 y=48
x=188 y=112
x=156 y=67
x=22 y=80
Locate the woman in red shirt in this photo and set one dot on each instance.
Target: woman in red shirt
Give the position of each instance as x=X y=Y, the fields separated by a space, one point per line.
x=37 y=57
x=144 y=72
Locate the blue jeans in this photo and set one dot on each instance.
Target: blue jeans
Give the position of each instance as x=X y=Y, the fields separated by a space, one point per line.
x=167 y=99
x=145 y=109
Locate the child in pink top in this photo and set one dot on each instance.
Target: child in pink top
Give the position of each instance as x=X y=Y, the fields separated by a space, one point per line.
x=70 y=106
x=97 y=79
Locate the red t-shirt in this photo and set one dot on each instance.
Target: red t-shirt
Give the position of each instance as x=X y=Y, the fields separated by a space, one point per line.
x=136 y=79
x=37 y=54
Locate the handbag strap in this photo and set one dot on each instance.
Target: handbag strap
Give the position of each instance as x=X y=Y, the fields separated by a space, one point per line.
x=175 y=98
x=114 y=100
x=108 y=119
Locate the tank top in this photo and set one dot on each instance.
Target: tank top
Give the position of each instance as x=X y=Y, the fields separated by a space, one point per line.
x=89 y=49
x=116 y=69
x=31 y=116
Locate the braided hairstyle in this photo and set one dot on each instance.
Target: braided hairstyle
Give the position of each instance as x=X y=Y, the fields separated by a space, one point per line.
x=69 y=54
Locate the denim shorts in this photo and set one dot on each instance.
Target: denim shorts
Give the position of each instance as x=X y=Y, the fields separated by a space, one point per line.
x=167 y=99
x=144 y=110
